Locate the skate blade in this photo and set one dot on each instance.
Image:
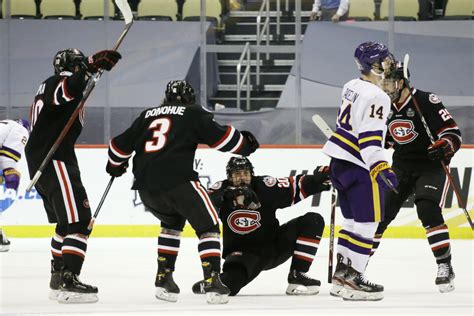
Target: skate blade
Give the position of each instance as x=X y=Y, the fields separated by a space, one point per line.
x=4 y=248
x=446 y=288
x=164 y=295
x=216 y=298
x=298 y=289
x=353 y=295
x=77 y=298
x=337 y=291
x=53 y=295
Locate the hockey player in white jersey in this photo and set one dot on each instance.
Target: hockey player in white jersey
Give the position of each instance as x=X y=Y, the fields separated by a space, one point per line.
x=13 y=138
x=360 y=171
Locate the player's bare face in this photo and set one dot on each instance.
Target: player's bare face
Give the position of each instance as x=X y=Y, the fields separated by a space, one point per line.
x=241 y=177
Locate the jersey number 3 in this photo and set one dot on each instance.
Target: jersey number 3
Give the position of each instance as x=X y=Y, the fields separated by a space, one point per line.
x=160 y=128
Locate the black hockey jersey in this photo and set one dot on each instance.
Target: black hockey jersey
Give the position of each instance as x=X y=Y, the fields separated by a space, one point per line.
x=165 y=138
x=408 y=135
x=252 y=229
x=55 y=101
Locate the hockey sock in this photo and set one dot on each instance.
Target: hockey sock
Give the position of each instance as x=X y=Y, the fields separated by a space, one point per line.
x=438 y=238
x=209 y=249
x=376 y=244
x=73 y=251
x=342 y=240
x=56 y=246
x=359 y=244
x=305 y=250
x=168 y=246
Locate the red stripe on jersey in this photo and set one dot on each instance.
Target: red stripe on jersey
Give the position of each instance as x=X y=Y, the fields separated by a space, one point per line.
x=208 y=203
x=442 y=129
x=316 y=241
x=223 y=138
x=300 y=183
x=72 y=252
x=67 y=189
x=65 y=92
x=292 y=186
x=112 y=144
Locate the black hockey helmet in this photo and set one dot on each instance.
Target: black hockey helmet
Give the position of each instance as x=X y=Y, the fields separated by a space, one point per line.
x=67 y=60
x=392 y=85
x=238 y=163
x=181 y=91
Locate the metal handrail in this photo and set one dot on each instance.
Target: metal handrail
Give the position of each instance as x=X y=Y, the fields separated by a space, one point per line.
x=260 y=31
x=246 y=76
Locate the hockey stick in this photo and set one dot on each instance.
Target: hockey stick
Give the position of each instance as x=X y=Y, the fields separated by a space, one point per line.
x=406 y=59
x=91 y=223
x=128 y=17
x=326 y=130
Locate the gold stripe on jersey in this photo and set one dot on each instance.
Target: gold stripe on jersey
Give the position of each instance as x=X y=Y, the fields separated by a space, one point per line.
x=346 y=141
x=355 y=242
x=368 y=139
x=9 y=155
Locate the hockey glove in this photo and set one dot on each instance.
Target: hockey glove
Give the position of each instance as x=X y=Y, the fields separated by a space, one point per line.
x=384 y=175
x=241 y=197
x=321 y=177
x=253 y=142
x=105 y=60
x=442 y=149
x=12 y=178
x=116 y=171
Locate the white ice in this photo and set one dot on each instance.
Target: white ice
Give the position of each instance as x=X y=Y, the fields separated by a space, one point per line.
x=124 y=270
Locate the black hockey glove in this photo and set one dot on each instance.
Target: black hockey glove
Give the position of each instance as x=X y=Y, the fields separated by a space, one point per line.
x=442 y=149
x=105 y=60
x=253 y=142
x=116 y=171
x=241 y=197
x=321 y=177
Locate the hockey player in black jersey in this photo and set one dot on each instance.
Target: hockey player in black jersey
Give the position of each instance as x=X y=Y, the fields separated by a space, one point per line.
x=416 y=163
x=254 y=241
x=164 y=139
x=60 y=186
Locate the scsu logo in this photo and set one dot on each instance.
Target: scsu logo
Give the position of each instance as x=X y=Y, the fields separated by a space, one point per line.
x=403 y=131
x=243 y=221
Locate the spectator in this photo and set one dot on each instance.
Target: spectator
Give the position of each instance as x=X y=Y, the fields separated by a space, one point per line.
x=431 y=9
x=330 y=10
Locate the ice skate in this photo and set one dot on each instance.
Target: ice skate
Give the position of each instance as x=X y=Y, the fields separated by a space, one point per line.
x=55 y=282
x=300 y=284
x=166 y=288
x=358 y=288
x=4 y=242
x=445 y=278
x=216 y=291
x=73 y=291
x=198 y=287
x=338 y=277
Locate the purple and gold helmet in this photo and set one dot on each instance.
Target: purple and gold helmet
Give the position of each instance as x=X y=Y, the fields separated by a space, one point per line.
x=371 y=55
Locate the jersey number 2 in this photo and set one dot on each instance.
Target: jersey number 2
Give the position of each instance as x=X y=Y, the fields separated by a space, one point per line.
x=160 y=128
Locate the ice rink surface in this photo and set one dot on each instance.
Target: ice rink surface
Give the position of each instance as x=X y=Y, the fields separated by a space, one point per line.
x=124 y=270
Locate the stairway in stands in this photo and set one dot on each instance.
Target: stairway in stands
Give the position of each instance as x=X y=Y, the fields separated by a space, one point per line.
x=241 y=28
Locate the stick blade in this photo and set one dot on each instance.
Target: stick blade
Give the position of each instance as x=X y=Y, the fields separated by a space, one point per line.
x=124 y=8
x=322 y=125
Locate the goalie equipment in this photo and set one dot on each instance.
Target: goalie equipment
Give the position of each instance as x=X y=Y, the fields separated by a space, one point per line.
x=300 y=284
x=445 y=277
x=180 y=91
x=67 y=60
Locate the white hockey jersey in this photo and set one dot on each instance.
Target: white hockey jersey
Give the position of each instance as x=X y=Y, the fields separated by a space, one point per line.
x=361 y=125
x=13 y=138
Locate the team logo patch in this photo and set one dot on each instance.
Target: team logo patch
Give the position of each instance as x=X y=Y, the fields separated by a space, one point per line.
x=410 y=112
x=403 y=131
x=244 y=221
x=217 y=185
x=434 y=98
x=86 y=203
x=269 y=181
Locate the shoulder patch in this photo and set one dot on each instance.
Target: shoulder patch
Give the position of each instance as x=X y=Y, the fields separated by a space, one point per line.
x=65 y=73
x=434 y=98
x=269 y=181
x=217 y=185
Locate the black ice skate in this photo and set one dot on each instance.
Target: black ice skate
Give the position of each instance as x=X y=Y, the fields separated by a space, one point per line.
x=338 y=277
x=72 y=290
x=216 y=291
x=198 y=287
x=55 y=282
x=358 y=288
x=445 y=278
x=166 y=288
x=4 y=242
x=301 y=284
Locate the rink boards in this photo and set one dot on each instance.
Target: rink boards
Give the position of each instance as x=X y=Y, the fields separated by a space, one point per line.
x=123 y=215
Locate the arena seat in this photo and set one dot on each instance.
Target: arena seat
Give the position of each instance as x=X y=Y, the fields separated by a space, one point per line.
x=405 y=10
x=192 y=9
x=94 y=9
x=361 y=10
x=459 y=10
x=58 y=9
x=163 y=10
x=20 y=9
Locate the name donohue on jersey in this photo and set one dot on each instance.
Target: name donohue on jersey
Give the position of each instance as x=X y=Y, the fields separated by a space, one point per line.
x=361 y=125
